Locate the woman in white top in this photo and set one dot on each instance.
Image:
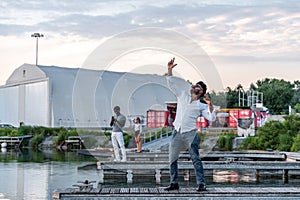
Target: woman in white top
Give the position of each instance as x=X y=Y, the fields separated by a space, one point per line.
x=137 y=134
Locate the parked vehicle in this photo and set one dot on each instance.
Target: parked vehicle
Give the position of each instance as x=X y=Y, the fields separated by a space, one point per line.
x=6 y=126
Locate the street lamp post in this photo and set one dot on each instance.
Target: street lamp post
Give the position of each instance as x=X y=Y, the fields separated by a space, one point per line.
x=37 y=36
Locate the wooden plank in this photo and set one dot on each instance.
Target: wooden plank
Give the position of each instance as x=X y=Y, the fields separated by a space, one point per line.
x=263 y=165
x=158 y=193
x=219 y=190
x=115 y=191
x=187 y=190
x=161 y=190
x=144 y=190
x=162 y=155
x=105 y=191
x=124 y=190
x=153 y=190
x=134 y=190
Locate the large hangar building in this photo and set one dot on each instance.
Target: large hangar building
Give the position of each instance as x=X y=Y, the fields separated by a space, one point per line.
x=74 y=97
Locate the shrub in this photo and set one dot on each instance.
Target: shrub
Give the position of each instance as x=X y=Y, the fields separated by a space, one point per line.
x=62 y=136
x=127 y=137
x=221 y=142
x=25 y=130
x=37 y=139
x=296 y=144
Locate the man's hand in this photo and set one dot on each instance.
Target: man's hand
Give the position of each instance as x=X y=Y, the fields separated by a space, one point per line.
x=207 y=99
x=171 y=65
x=112 y=121
x=209 y=103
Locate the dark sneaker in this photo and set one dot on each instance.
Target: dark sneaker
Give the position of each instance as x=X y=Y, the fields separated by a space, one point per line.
x=172 y=186
x=201 y=188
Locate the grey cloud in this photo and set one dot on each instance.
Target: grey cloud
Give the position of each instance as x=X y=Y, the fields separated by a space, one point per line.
x=87 y=26
x=71 y=21
x=273 y=58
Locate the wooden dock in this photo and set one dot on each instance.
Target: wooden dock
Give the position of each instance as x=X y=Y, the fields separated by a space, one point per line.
x=13 y=141
x=130 y=167
x=103 y=154
x=158 y=193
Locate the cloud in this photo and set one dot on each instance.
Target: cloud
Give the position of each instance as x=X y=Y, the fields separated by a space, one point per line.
x=221 y=27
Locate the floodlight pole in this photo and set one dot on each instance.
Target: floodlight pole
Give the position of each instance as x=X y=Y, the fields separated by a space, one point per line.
x=37 y=36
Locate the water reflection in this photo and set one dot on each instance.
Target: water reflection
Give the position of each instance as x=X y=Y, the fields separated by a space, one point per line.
x=27 y=174
x=39 y=156
x=234 y=176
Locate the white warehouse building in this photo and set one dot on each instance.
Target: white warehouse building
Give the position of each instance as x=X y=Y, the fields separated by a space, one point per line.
x=73 y=97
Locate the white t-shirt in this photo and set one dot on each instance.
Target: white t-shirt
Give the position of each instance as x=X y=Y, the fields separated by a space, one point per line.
x=138 y=127
x=187 y=112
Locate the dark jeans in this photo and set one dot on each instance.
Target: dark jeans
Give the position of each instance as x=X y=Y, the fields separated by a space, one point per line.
x=194 y=154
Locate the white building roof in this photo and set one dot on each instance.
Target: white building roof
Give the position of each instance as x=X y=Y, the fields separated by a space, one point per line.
x=82 y=97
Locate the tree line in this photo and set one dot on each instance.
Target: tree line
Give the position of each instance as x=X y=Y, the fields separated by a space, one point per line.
x=276 y=135
x=278 y=95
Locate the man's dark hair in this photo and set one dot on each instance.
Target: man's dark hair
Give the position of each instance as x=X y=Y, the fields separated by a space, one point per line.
x=204 y=87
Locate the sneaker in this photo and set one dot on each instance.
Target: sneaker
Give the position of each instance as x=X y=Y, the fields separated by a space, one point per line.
x=123 y=160
x=172 y=186
x=201 y=188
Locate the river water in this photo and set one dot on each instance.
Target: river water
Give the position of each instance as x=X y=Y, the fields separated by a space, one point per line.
x=34 y=175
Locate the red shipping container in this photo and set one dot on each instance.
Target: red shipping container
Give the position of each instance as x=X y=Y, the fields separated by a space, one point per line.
x=245 y=114
x=156 y=119
x=233 y=116
x=232 y=124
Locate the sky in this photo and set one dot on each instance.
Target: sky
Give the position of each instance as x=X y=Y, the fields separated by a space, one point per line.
x=246 y=41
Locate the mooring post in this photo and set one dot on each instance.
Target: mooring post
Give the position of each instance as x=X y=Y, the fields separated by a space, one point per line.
x=187 y=175
x=257 y=175
x=101 y=176
x=157 y=176
x=129 y=176
x=101 y=172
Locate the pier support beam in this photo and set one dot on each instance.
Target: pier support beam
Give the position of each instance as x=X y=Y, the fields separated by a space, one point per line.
x=285 y=175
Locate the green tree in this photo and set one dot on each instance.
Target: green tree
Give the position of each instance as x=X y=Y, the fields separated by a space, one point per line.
x=296 y=144
x=297 y=107
x=219 y=99
x=296 y=98
x=232 y=97
x=277 y=135
x=278 y=94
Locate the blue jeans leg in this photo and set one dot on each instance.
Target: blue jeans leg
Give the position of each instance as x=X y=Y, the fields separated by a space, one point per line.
x=173 y=151
x=197 y=162
x=174 y=172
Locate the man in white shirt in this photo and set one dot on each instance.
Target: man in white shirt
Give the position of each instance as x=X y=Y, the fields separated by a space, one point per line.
x=118 y=122
x=185 y=136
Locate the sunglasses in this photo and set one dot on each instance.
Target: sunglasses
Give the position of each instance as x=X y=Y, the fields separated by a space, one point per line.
x=196 y=92
x=196 y=89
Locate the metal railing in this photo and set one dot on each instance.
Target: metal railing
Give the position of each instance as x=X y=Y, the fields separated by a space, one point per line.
x=153 y=135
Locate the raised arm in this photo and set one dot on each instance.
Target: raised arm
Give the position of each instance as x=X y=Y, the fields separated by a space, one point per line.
x=170 y=80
